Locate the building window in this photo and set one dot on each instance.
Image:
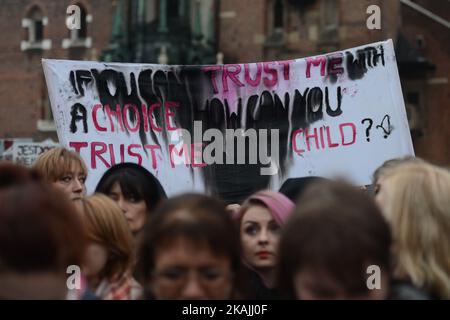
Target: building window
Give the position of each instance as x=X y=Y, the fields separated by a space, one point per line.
x=36 y=28
x=78 y=38
x=278 y=16
x=35 y=23
x=329 y=21
x=276 y=22
x=45 y=123
x=172 y=10
x=82 y=32
x=414 y=112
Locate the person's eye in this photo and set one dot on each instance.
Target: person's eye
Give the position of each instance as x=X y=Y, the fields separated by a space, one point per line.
x=173 y=274
x=66 y=179
x=251 y=230
x=113 y=196
x=211 y=274
x=82 y=179
x=133 y=198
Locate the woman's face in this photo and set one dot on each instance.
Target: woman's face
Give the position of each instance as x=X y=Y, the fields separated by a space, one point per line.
x=72 y=183
x=135 y=211
x=260 y=235
x=184 y=270
x=96 y=259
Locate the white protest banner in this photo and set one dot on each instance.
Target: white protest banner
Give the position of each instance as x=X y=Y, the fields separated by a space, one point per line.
x=25 y=153
x=231 y=129
x=6 y=147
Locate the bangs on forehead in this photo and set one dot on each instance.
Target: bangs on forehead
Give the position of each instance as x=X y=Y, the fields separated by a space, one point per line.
x=129 y=187
x=68 y=165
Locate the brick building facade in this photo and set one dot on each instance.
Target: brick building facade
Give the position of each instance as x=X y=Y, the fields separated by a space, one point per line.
x=255 y=30
x=36 y=29
x=428 y=91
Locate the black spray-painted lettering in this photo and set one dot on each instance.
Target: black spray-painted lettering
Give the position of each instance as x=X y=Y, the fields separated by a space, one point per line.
x=366 y=57
x=78 y=113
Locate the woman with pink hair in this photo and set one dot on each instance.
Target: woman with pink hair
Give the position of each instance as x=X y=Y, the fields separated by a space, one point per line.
x=260 y=220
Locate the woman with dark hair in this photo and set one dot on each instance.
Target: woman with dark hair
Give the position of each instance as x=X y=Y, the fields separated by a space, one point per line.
x=336 y=245
x=12 y=174
x=135 y=190
x=294 y=187
x=260 y=220
x=190 y=250
x=41 y=235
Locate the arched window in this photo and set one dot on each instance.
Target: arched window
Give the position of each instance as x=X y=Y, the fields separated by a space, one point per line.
x=82 y=32
x=45 y=122
x=34 y=23
x=36 y=28
x=276 y=22
x=329 y=21
x=278 y=15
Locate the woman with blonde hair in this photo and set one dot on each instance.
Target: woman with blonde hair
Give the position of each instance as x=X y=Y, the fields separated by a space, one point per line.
x=65 y=169
x=110 y=251
x=415 y=199
x=390 y=166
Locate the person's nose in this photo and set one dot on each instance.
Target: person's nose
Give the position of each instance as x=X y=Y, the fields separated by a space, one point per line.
x=192 y=290
x=122 y=205
x=77 y=186
x=263 y=237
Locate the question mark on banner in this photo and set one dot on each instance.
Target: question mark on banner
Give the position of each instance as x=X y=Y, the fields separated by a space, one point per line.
x=386 y=132
x=368 y=128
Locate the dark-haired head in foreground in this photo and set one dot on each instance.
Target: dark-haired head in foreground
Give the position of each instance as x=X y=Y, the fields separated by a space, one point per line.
x=329 y=242
x=12 y=174
x=41 y=235
x=294 y=187
x=190 y=250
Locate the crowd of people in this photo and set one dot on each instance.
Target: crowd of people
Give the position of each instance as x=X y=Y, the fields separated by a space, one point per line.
x=313 y=239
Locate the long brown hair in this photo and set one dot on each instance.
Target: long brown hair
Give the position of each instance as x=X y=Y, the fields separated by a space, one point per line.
x=105 y=224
